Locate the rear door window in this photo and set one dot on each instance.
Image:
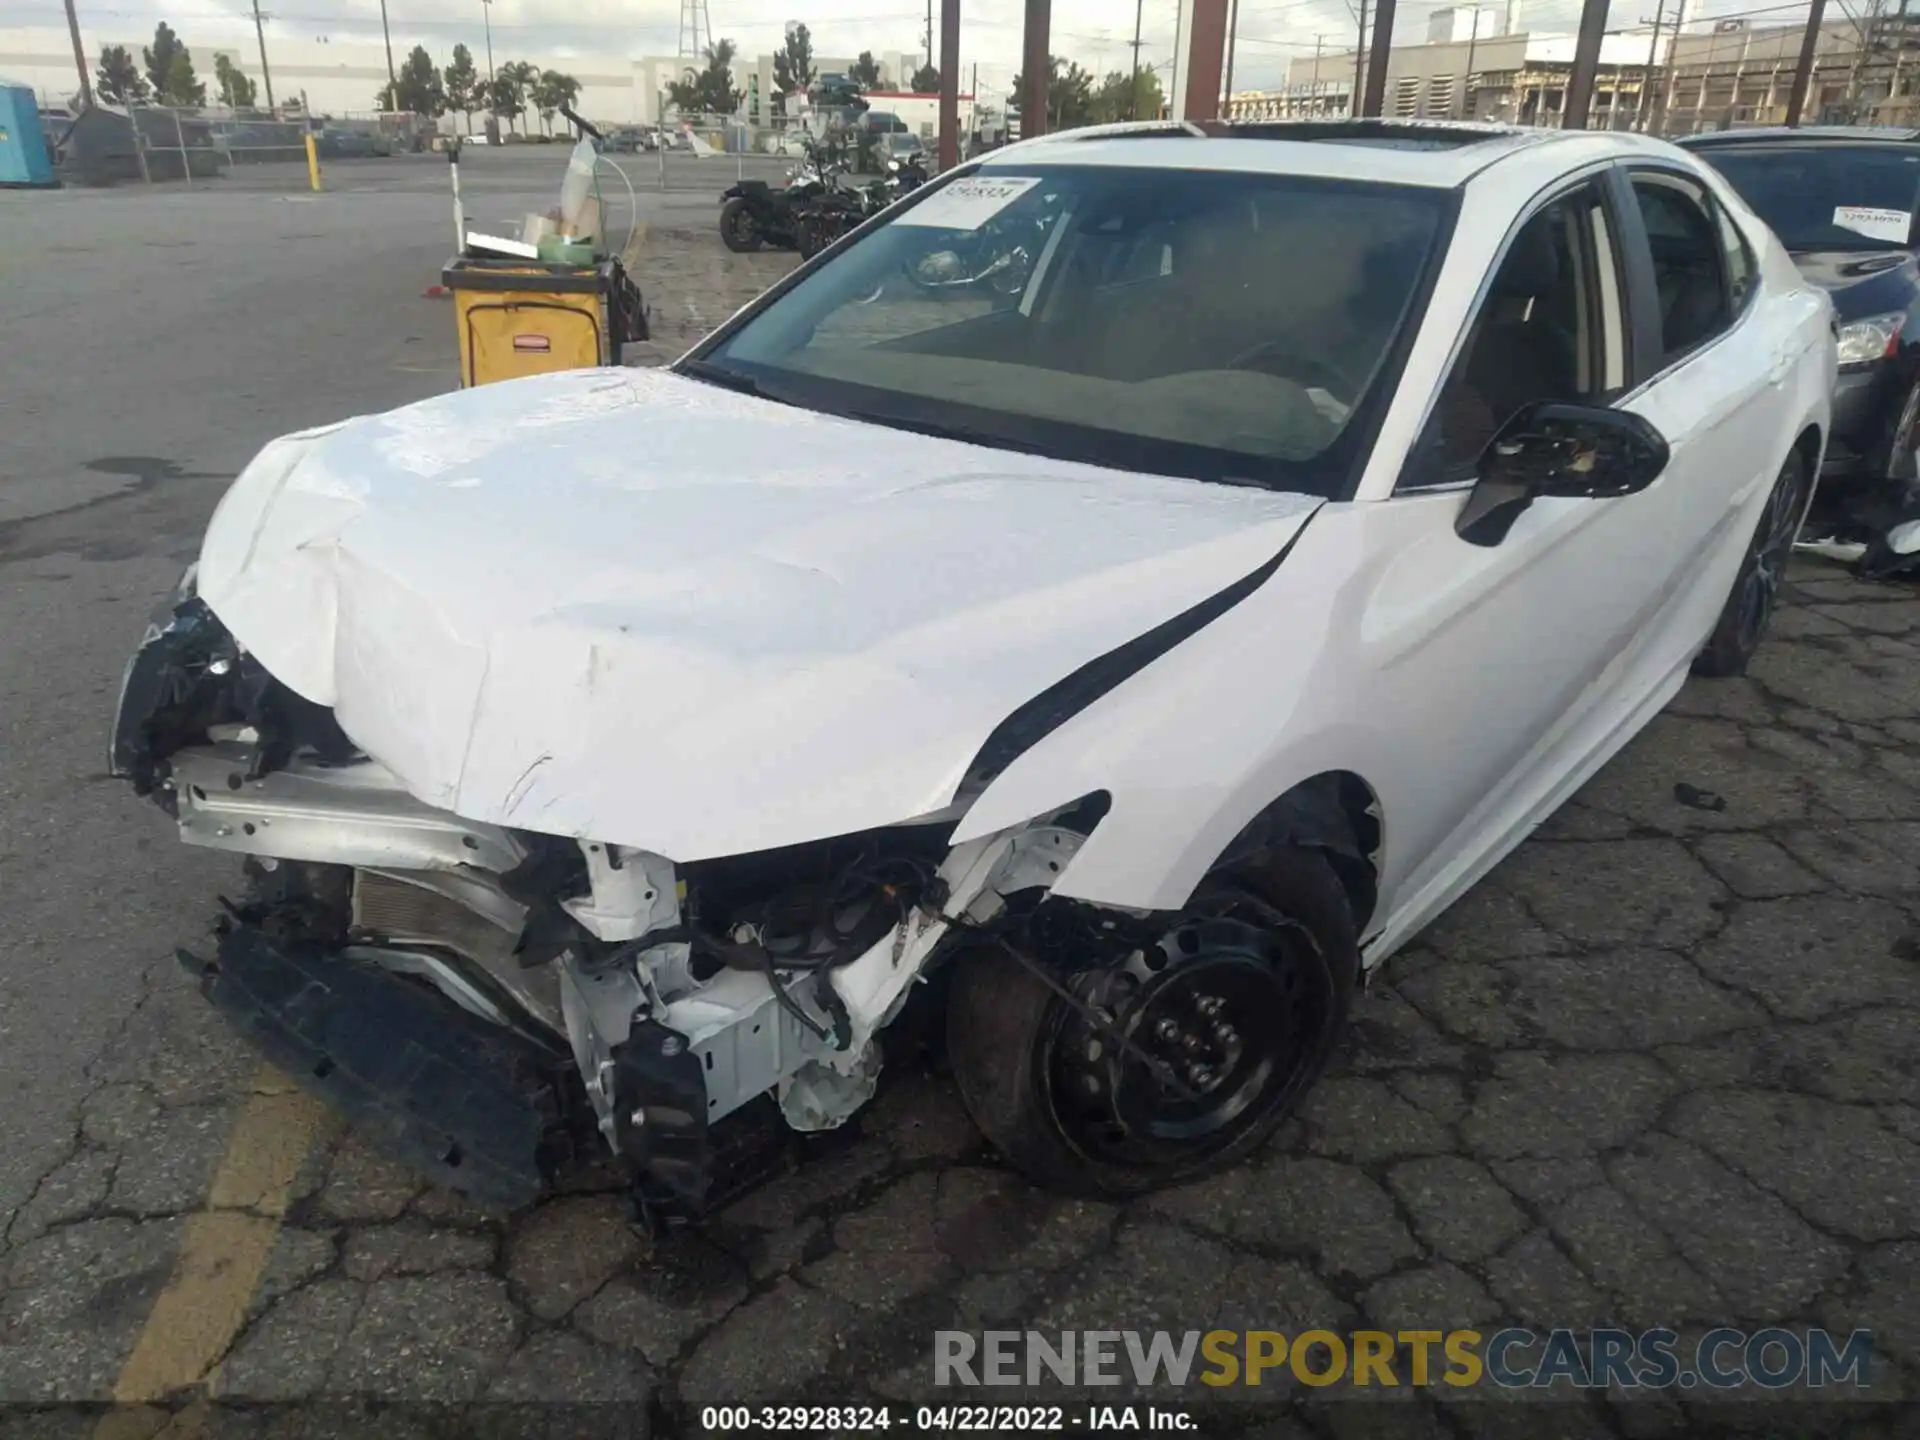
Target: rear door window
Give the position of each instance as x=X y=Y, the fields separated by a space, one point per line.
x=1689 y=261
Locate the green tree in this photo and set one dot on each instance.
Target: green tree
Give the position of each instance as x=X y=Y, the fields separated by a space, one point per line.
x=183 y=87
x=1069 y=95
x=709 y=91
x=865 y=71
x=926 y=80
x=1121 y=97
x=158 y=57
x=118 y=80
x=507 y=95
x=417 y=88
x=462 y=85
x=551 y=90
x=793 y=61
x=236 y=90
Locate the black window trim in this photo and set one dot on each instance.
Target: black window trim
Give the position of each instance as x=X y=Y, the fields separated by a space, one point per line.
x=1598 y=176
x=1657 y=364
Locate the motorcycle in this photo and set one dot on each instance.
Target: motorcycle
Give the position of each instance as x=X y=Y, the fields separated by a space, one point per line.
x=835 y=212
x=753 y=213
x=998 y=257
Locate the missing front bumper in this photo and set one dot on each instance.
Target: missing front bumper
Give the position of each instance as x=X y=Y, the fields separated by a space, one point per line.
x=473 y=1107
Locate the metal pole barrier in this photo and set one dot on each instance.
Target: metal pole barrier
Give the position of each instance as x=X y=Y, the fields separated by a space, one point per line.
x=459 y=213
x=139 y=143
x=313 y=161
x=180 y=138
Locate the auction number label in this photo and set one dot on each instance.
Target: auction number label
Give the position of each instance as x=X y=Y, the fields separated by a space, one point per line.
x=968 y=203
x=836 y=1419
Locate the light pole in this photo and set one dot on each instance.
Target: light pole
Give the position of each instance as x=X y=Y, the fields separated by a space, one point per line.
x=486 y=15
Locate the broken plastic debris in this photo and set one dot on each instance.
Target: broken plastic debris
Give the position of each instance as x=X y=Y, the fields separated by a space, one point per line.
x=1832 y=548
x=1694 y=798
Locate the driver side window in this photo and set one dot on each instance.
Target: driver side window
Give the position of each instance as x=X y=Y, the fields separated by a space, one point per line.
x=1550 y=327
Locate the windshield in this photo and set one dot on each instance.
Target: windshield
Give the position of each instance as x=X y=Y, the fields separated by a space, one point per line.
x=1210 y=324
x=1827 y=197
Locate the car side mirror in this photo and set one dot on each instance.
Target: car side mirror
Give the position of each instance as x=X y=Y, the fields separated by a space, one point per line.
x=1554 y=449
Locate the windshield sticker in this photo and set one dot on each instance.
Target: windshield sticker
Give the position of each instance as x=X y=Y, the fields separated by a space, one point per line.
x=1873 y=223
x=968 y=204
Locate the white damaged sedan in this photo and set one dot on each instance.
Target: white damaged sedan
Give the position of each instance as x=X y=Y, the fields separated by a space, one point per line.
x=1120 y=594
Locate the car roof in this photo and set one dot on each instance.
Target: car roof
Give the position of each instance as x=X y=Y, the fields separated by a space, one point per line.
x=1803 y=135
x=1435 y=154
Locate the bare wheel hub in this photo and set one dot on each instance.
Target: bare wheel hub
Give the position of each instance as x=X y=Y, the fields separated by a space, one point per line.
x=1222 y=1021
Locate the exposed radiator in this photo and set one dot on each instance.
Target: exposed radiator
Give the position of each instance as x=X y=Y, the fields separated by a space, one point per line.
x=404 y=911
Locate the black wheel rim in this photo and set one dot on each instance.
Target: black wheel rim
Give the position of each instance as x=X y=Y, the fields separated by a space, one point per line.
x=1765 y=570
x=1227 y=1022
x=742 y=226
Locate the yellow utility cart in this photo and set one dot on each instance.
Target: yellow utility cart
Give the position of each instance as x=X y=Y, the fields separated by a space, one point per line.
x=527 y=317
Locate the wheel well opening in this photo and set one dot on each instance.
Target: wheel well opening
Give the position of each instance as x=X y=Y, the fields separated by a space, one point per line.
x=1808 y=444
x=1335 y=812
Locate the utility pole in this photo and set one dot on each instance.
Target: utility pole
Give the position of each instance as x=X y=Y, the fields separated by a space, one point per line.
x=1663 y=107
x=1375 y=102
x=1036 y=67
x=1868 y=38
x=80 y=57
x=928 y=37
x=1133 y=95
x=393 y=82
x=260 y=34
x=1803 y=71
x=1643 y=111
x=1467 y=98
x=1233 y=34
x=1317 y=91
x=1359 y=63
x=1899 y=53
x=486 y=16
x=1586 y=60
x=949 y=84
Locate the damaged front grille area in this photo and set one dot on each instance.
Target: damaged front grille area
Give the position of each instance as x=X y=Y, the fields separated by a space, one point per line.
x=433 y=976
x=190 y=677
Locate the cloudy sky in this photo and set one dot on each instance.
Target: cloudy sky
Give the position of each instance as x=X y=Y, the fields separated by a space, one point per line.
x=1095 y=33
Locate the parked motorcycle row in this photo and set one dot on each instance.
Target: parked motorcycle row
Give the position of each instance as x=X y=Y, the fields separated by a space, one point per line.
x=814 y=208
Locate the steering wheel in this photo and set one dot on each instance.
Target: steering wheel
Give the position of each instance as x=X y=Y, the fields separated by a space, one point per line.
x=1300 y=367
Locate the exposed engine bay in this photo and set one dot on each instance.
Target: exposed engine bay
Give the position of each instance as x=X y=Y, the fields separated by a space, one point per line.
x=599 y=989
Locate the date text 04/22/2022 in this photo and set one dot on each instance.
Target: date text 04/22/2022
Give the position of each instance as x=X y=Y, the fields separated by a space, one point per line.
x=933 y=1419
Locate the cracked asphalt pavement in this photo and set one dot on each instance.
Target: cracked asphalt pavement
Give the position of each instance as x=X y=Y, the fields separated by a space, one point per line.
x=1662 y=1068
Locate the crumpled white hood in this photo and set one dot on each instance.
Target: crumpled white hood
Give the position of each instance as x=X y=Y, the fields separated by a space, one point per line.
x=633 y=607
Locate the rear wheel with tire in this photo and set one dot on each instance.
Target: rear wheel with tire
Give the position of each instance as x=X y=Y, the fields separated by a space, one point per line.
x=738 y=229
x=1763 y=569
x=1176 y=1063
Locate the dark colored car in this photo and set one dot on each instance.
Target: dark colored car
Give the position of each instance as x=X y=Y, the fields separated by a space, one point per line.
x=1844 y=202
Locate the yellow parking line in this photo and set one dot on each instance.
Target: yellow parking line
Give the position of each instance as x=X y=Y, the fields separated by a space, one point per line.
x=223 y=1252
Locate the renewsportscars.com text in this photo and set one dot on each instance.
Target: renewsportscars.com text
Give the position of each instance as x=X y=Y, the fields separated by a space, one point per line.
x=1773 y=1358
